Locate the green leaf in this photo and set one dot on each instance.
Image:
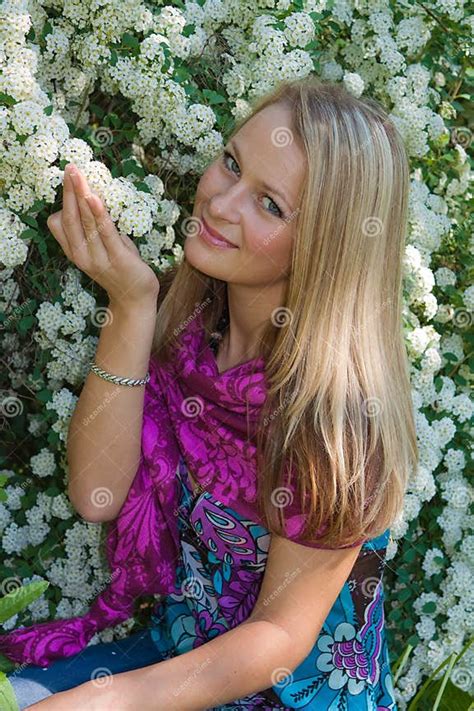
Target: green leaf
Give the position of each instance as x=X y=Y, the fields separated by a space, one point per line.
x=7 y=99
x=453 y=698
x=113 y=119
x=30 y=220
x=414 y=640
x=128 y=167
x=188 y=30
x=26 y=323
x=405 y=594
x=52 y=491
x=44 y=395
x=213 y=97
x=181 y=75
x=47 y=29
x=30 y=233
x=429 y=607
x=394 y=615
x=410 y=555
x=6 y=665
x=316 y=16
x=8 y=700
x=53 y=438
x=143 y=187
x=451 y=290
x=130 y=40
x=97 y=110
x=18 y=599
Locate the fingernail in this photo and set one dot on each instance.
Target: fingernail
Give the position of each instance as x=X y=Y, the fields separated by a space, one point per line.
x=71 y=169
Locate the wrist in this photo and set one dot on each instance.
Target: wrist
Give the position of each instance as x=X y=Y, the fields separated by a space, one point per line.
x=145 y=307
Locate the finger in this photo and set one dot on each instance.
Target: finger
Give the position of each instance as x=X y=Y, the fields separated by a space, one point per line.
x=71 y=217
x=110 y=236
x=89 y=223
x=54 y=223
x=129 y=243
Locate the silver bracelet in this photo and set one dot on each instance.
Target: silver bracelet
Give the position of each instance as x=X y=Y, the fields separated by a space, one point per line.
x=117 y=379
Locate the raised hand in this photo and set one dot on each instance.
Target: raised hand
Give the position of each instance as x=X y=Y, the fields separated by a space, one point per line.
x=89 y=238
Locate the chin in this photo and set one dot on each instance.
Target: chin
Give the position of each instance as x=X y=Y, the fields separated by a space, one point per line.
x=196 y=254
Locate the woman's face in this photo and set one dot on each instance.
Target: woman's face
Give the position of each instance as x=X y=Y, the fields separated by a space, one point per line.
x=250 y=196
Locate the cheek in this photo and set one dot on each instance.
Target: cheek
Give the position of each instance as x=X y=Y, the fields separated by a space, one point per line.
x=271 y=246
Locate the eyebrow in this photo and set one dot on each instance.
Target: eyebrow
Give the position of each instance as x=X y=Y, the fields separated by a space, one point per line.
x=264 y=185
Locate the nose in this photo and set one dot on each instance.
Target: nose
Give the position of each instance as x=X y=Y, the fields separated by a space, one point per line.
x=227 y=203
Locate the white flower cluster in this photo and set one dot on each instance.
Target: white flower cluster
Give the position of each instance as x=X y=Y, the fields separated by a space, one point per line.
x=35 y=138
x=63 y=404
x=454 y=601
x=16 y=538
x=43 y=463
x=49 y=81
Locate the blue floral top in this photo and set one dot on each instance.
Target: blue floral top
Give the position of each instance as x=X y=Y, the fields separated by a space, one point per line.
x=218 y=580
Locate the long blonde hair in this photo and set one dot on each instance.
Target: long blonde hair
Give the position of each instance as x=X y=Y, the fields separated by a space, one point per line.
x=339 y=409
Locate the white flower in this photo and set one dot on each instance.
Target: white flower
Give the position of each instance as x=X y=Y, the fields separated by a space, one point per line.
x=468 y=297
x=299 y=29
x=25 y=116
x=454 y=460
x=354 y=83
x=13 y=502
x=444 y=429
x=432 y=562
x=445 y=276
x=15 y=538
x=61 y=507
x=43 y=463
x=426 y=628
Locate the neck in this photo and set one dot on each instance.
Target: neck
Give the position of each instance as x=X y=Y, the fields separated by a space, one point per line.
x=250 y=309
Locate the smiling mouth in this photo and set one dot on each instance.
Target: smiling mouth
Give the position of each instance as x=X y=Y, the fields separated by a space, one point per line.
x=213 y=237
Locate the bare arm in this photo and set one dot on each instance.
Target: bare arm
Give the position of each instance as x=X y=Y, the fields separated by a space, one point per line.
x=299 y=587
x=103 y=446
x=244 y=660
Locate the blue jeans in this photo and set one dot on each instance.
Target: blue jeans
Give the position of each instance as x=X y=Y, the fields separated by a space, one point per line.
x=33 y=683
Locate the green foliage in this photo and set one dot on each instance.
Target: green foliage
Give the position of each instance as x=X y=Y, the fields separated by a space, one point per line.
x=7 y=695
x=10 y=604
x=16 y=600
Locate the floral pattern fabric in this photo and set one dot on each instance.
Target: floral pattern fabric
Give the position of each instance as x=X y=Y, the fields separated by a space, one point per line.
x=219 y=575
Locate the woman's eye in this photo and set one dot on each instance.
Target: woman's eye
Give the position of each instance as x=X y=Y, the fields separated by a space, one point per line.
x=279 y=212
x=227 y=155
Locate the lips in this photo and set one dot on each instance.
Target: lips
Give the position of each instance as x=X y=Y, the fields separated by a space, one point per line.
x=216 y=234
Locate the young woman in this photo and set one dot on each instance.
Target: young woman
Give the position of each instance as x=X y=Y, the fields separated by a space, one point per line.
x=278 y=368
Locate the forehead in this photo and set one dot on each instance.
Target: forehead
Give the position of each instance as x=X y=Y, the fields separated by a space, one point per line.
x=271 y=150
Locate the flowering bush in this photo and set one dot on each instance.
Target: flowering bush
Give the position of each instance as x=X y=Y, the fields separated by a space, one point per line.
x=138 y=96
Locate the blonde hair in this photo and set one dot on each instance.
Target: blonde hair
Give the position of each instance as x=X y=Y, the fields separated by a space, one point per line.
x=339 y=406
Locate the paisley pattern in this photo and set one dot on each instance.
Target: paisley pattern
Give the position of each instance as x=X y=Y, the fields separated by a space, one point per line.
x=219 y=575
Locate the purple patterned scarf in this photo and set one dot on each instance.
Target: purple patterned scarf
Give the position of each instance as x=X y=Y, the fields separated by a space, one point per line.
x=190 y=409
